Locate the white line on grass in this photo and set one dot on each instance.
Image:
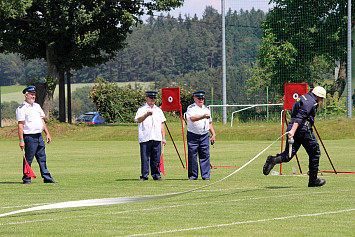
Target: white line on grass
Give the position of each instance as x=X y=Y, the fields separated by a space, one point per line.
x=121 y=200
x=166 y=207
x=244 y=222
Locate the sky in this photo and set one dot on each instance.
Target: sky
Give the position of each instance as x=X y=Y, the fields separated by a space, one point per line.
x=198 y=6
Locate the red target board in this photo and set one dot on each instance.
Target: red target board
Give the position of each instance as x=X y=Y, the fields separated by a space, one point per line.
x=292 y=92
x=170 y=99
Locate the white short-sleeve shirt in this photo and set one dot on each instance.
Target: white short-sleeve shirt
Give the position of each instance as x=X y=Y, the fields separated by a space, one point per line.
x=150 y=128
x=199 y=127
x=32 y=115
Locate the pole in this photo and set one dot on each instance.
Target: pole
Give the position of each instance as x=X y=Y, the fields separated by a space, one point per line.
x=211 y=99
x=326 y=152
x=267 y=101
x=349 y=61
x=183 y=134
x=282 y=132
x=298 y=161
x=69 y=97
x=224 y=80
x=0 y=107
x=174 y=144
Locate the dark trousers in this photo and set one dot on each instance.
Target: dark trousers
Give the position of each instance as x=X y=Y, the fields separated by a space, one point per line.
x=150 y=149
x=310 y=144
x=198 y=145
x=35 y=147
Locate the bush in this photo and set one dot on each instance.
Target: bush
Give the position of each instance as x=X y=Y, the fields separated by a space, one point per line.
x=8 y=109
x=114 y=103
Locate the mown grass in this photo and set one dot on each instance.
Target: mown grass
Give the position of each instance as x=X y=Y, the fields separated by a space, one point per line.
x=103 y=162
x=103 y=169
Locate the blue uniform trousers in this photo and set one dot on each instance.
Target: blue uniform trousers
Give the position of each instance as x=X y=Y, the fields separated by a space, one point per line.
x=198 y=144
x=310 y=144
x=35 y=147
x=150 y=149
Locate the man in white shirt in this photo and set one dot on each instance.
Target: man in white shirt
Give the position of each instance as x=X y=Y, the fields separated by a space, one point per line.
x=151 y=134
x=30 y=126
x=199 y=123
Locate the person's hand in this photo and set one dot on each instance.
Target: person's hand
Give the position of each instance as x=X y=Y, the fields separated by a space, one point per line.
x=213 y=138
x=22 y=144
x=150 y=112
x=163 y=142
x=290 y=133
x=207 y=116
x=49 y=139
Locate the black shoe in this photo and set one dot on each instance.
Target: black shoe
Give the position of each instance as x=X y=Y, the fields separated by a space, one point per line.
x=317 y=183
x=313 y=180
x=192 y=178
x=270 y=162
x=46 y=181
x=27 y=182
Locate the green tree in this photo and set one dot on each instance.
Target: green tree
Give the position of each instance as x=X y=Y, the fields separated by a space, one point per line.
x=74 y=33
x=13 y=8
x=297 y=34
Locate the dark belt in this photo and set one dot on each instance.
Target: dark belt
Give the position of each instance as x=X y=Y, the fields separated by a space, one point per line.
x=305 y=123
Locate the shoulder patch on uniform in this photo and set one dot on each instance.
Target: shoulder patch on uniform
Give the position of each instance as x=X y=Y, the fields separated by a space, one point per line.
x=191 y=106
x=21 y=106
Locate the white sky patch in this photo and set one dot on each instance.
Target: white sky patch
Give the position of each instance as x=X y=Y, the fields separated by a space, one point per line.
x=192 y=7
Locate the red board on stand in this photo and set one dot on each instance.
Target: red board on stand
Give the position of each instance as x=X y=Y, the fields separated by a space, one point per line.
x=170 y=99
x=292 y=92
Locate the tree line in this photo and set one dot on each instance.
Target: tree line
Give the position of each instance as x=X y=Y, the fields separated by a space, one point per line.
x=297 y=41
x=183 y=51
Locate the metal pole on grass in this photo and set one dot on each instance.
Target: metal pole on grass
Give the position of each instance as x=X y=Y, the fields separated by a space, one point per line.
x=267 y=101
x=0 y=106
x=349 y=61
x=224 y=80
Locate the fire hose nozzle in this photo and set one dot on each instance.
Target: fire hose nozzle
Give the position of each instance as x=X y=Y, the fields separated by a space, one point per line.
x=290 y=142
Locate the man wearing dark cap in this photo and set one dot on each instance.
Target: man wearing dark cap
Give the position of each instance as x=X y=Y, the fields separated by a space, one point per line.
x=151 y=134
x=199 y=123
x=30 y=126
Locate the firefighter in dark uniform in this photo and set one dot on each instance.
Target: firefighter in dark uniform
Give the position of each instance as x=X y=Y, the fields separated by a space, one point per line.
x=30 y=126
x=199 y=123
x=300 y=129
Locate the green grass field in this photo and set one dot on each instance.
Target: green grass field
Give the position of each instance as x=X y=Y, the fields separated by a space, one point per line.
x=103 y=162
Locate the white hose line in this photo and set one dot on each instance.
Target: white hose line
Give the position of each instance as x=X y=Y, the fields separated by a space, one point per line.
x=120 y=200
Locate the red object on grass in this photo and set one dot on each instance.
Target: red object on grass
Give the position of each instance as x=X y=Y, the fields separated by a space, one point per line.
x=161 y=163
x=27 y=170
x=170 y=98
x=292 y=92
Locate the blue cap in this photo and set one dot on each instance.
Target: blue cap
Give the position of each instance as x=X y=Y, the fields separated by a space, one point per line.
x=29 y=89
x=200 y=93
x=151 y=94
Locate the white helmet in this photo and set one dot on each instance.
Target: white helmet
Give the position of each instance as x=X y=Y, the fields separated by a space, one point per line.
x=319 y=91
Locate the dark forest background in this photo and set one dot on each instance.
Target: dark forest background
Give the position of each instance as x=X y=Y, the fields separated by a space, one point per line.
x=183 y=51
